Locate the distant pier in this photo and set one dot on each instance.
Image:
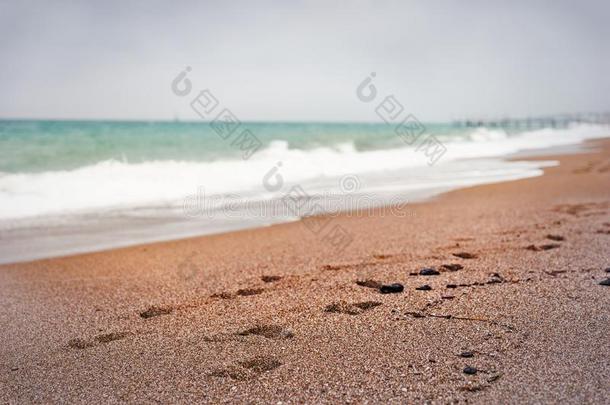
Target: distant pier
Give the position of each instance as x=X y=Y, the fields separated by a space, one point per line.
x=550 y=121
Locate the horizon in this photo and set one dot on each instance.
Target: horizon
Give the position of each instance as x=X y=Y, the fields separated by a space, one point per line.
x=570 y=116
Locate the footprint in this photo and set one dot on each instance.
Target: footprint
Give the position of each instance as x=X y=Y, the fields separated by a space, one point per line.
x=336 y=266
x=465 y=255
x=261 y=364
x=247 y=369
x=271 y=279
x=587 y=168
x=369 y=283
x=577 y=209
x=156 y=311
x=452 y=267
x=382 y=256
x=111 y=337
x=463 y=239
x=343 y=307
x=268 y=331
x=223 y=295
x=80 y=344
x=539 y=248
x=245 y=292
x=233 y=372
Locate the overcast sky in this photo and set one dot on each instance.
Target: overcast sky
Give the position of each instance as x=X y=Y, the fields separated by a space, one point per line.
x=302 y=60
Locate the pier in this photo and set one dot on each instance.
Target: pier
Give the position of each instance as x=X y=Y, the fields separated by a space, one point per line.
x=548 y=121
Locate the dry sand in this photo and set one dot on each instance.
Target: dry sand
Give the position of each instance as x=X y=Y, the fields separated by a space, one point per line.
x=276 y=314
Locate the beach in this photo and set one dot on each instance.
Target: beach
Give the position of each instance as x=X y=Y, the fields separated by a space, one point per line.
x=514 y=311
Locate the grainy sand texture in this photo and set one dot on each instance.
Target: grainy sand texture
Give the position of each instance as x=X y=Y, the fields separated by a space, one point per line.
x=502 y=300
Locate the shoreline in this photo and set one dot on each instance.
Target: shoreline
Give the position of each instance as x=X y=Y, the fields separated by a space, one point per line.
x=278 y=313
x=93 y=235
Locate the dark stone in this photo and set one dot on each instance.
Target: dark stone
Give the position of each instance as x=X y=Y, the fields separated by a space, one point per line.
x=465 y=255
x=470 y=370
x=391 y=288
x=451 y=286
x=424 y=287
x=452 y=267
x=467 y=354
x=605 y=282
x=429 y=272
x=607 y=270
x=556 y=238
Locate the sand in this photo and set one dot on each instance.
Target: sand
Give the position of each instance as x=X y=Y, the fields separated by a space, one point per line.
x=276 y=314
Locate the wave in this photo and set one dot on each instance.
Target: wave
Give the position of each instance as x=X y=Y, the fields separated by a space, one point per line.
x=119 y=184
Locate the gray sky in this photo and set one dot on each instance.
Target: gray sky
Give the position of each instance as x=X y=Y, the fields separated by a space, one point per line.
x=302 y=60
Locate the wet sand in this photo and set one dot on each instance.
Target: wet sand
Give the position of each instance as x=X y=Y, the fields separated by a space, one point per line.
x=280 y=314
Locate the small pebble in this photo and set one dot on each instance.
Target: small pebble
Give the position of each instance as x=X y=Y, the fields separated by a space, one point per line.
x=467 y=354
x=495 y=278
x=557 y=238
x=429 y=272
x=424 y=287
x=607 y=270
x=605 y=282
x=470 y=370
x=453 y=267
x=451 y=286
x=391 y=288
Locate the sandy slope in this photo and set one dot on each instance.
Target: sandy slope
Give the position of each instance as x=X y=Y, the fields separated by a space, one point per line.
x=82 y=329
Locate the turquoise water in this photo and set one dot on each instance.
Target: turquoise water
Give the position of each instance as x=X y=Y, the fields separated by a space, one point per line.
x=38 y=146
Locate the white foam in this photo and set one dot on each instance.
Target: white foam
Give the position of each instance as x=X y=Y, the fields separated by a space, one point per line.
x=113 y=184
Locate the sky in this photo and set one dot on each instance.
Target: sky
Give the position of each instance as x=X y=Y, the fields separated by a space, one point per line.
x=303 y=60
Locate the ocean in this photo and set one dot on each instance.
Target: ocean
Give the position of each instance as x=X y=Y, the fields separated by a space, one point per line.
x=76 y=186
